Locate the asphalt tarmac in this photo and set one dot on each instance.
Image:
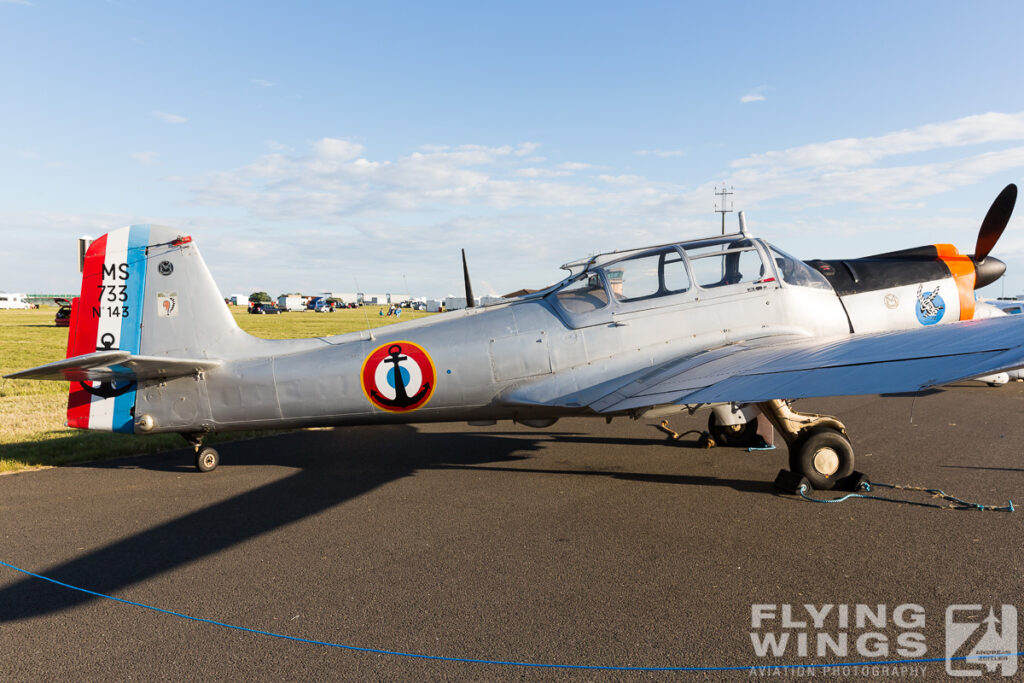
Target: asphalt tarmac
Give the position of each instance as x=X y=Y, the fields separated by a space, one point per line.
x=584 y=544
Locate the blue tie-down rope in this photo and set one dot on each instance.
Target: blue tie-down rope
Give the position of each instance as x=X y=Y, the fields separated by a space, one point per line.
x=466 y=660
x=954 y=502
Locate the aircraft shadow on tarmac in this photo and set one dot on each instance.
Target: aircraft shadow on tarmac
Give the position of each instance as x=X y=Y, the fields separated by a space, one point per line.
x=976 y=467
x=745 y=485
x=333 y=466
x=931 y=391
x=916 y=394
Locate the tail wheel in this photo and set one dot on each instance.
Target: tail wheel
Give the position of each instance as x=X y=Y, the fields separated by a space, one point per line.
x=732 y=435
x=824 y=456
x=207 y=459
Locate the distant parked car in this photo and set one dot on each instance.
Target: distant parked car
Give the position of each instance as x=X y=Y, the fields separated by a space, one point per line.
x=63 y=316
x=265 y=309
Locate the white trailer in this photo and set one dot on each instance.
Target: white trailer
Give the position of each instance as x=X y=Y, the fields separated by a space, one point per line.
x=13 y=300
x=344 y=297
x=455 y=303
x=291 y=302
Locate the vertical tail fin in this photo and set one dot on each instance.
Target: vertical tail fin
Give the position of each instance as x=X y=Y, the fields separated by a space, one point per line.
x=145 y=290
x=184 y=312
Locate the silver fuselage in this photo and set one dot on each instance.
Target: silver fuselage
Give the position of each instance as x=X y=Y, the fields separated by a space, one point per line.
x=528 y=359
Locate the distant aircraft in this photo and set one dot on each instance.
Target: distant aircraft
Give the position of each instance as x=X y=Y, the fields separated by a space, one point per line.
x=1007 y=306
x=729 y=322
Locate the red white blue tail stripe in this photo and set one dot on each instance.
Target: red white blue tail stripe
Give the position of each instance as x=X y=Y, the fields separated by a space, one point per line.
x=107 y=316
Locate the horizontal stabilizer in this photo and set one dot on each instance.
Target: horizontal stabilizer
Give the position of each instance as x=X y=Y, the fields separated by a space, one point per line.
x=107 y=366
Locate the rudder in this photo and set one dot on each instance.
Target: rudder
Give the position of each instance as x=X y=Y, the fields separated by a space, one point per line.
x=108 y=315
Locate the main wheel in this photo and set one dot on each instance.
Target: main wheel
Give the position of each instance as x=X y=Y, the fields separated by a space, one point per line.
x=207 y=459
x=824 y=456
x=738 y=436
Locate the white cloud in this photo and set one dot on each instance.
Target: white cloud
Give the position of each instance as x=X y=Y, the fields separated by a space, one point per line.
x=334 y=149
x=574 y=166
x=336 y=181
x=621 y=179
x=847 y=152
x=263 y=83
x=664 y=153
x=146 y=158
x=558 y=171
x=876 y=184
x=521 y=213
x=526 y=148
x=15 y=2
x=754 y=95
x=533 y=172
x=851 y=171
x=168 y=118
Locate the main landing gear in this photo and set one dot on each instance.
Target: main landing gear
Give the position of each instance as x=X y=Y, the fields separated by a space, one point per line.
x=207 y=458
x=819 y=448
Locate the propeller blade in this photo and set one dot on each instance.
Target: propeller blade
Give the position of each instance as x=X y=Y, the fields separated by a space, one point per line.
x=470 y=302
x=995 y=222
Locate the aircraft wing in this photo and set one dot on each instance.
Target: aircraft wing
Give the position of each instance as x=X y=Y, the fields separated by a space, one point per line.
x=886 y=362
x=106 y=366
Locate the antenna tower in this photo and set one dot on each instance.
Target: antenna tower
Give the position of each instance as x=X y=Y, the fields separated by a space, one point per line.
x=720 y=205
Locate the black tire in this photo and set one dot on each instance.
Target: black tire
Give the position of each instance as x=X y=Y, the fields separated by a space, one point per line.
x=737 y=436
x=824 y=457
x=207 y=459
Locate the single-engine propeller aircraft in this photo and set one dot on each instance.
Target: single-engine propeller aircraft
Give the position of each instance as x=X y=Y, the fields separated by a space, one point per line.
x=728 y=322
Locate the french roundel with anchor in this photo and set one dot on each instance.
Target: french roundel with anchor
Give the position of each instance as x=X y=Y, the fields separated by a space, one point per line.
x=398 y=377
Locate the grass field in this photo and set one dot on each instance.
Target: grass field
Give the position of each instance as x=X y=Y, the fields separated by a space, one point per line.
x=32 y=431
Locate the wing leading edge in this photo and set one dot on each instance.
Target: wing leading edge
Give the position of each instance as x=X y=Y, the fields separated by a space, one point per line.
x=887 y=362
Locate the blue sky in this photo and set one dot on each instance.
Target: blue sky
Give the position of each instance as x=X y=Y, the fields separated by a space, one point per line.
x=310 y=145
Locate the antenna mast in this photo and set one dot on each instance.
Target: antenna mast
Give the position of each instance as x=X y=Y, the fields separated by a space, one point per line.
x=720 y=206
x=366 y=316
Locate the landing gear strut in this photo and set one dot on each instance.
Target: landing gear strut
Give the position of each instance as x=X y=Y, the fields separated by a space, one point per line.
x=819 y=448
x=207 y=458
x=739 y=436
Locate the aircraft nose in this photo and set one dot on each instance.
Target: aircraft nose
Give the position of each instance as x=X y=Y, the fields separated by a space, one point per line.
x=988 y=269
